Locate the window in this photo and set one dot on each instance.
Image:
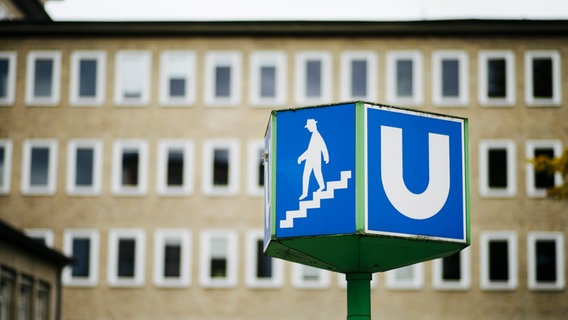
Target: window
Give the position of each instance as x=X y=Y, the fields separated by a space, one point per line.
x=130 y=167
x=39 y=167
x=496 y=78
x=24 y=304
x=404 y=77
x=221 y=167
x=538 y=182
x=262 y=270
x=358 y=75
x=172 y=266
x=313 y=77
x=126 y=257
x=406 y=278
x=175 y=167
x=41 y=235
x=307 y=277
x=450 y=78
x=218 y=259
x=255 y=166
x=83 y=246
x=132 y=78
x=542 y=79
x=84 y=162
x=546 y=260
x=87 y=78
x=268 y=78
x=42 y=78
x=5 y=165
x=452 y=272
x=497 y=168
x=7 y=77
x=222 y=78
x=42 y=301
x=7 y=283
x=177 y=78
x=498 y=260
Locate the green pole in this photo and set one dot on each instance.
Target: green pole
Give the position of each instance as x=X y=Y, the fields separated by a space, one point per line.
x=358 y=296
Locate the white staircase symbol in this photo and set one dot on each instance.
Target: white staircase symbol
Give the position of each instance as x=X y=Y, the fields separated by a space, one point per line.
x=328 y=193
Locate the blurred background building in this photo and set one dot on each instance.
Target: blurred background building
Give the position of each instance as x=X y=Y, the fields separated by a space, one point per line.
x=134 y=148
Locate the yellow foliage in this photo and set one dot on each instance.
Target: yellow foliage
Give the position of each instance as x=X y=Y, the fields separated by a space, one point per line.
x=552 y=166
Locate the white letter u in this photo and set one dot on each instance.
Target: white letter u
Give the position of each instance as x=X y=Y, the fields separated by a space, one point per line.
x=428 y=203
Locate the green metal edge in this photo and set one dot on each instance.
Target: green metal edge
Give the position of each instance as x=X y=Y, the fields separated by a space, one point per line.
x=360 y=167
x=467 y=181
x=273 y=123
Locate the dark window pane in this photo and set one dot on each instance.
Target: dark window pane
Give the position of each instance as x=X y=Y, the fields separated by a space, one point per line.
x=4 y=67
x=263 y=262
x=451 y=267
x=359 y=78
x=223 y=82
x=88 y=78
x=130 y=162
x=177 y=87
x=268 y=81
x=126 y=257
x=221 y=167
x=313 y=78
x=260 y=167
x=542 y=78
x=43 y=77
x=172 y=261
x=498 y=260
x=546 y=261
x=543 y=179
x=2 y=164
x=39 y=166
x=404 y=78
x=218 y=267
x=84 y=167
x=450 y=78
x=497 y=168
x=175 y=168
x=496 y=78
x=81 y=257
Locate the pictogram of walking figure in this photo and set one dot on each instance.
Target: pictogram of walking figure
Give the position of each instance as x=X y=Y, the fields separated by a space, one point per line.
x=312 y=157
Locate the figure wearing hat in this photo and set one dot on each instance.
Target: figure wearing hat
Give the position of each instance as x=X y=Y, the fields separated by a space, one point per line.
x=312 y=157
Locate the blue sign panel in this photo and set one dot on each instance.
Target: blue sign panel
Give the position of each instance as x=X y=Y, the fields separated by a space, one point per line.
x=415 y=174
x=315 y=171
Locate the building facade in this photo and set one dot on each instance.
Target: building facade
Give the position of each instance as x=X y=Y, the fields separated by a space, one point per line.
x=135 y=148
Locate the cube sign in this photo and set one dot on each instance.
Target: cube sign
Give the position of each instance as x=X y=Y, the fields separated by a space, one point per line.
x=361 y=187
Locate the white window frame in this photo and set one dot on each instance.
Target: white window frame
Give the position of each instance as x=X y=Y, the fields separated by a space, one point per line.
x=252 y=281
x=232 y=59
x=51 y=187
x=114 y=236
x=558 y=238
x=259 y=59
x=189 y=73
x=209 y=146
x=231 y=279
x=437 y=79
x=254 y=146
x=181 y=237
x=298 y=281
x=53 y=100
x=119 y=87
x=556 y=99
x=531 y=145
x=414 y=283
x=72 y=147
x=11 y=84
x=326 y=77
x=484 y=189
x=74 y=97
x=118 y=148
x=483 y=58
x=5 y=187
x=44 y=233
x=417 y=77
x=94 y=238
x=371 y=80
x=465 y=271
x=188 y=148
x=511 y=238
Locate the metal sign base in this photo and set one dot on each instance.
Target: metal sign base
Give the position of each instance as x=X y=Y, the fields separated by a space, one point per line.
x=358 y=296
